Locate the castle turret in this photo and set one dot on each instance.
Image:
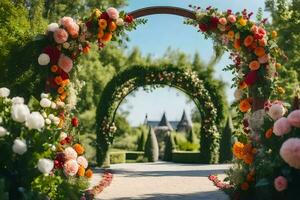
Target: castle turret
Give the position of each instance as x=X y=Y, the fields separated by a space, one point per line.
x=184 y=124
x=164 y=123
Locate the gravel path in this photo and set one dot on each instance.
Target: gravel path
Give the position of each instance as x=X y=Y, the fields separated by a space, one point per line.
x=162 y=180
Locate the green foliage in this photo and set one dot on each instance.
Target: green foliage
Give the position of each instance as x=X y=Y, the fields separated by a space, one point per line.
x=134 y=155
x=225 y=143
x=142 y=138
x=169 y=147
x=3 y=192
x=117 y=157
x=191 y=137
x=186 y=157
x=151 y=147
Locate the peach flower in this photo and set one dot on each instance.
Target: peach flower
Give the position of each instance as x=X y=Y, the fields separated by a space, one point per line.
x=280 y=183
x=248 y=40
x=294 y=118
x=70 y=153
x=66 y=21
x=231 y=18
x=82 y=162
x=60 y=35
x=290 y=152
x=70 y=25
x=71 y=167
x=282 y=127
x=263 y=59
x=223 y=21
x=112 y=13
x=254 y=65
x=65 y=63
x=276 y=111
x=254 y=29
x=259 y=51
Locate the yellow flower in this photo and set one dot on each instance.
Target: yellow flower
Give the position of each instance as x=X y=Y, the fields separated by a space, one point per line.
x=243 y=22
x=274 y=34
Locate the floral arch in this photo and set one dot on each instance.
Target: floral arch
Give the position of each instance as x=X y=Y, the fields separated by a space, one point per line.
x=265 y=134
x=186 y=81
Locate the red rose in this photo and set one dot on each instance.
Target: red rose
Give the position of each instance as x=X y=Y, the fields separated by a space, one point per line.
x=213 y=23
x=129 y=19
x=251 y=77
x=104 y=15
x=203 y=27
x=63 y=74
x=89 y=24
x=53 y=53
x=69 y=139
x=75 y=121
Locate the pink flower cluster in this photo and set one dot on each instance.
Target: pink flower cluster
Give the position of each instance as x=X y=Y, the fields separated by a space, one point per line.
x=290 y=152
x=284 y=125
x=105 y=182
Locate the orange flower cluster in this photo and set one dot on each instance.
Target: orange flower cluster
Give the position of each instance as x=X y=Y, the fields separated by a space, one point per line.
x=78 y=148
x=245 y=105
x=244 y=152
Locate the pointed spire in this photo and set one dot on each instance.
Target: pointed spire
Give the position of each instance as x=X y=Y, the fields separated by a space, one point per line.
x=184 y=124
x=164 y=122
x=146 y=119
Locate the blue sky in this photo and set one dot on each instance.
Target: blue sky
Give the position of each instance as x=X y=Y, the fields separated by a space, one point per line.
x=163 y=31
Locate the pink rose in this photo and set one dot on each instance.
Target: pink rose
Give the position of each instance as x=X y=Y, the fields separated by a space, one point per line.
x=282 y=127
x=73 y=30
x=263 y=59
x=231 y=18
x=294 y=118
x=66 y=21
x=261 y=31
x=70 y=153
x=65 y=63
x=280 y=183
x=276 y=111
x=223 y=21
x=290 y=152
x=82 y=162
x=112 y=13
x=70 y=25
x=71 y=167
x=60 y=36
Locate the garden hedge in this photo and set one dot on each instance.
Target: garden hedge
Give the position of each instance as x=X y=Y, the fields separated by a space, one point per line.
x=186 y=157
x=117 y=157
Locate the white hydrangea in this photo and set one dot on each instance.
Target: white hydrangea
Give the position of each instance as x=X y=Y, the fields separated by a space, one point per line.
x=19 y=112
x=45 y=166
x=19 y=146
x=3 y=131
x=52 y=27
x=4 y=92
x=44 y=59
x=45 y=103
x=35 y=121
x=276 y=111
x=18 y=100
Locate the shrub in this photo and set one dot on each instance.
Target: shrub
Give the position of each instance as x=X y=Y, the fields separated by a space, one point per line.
x=142 y=139
x=225 y=144
x=151 y=147
x=134 y=155
x=191 y=137
x=169 y=147
x=117 y=157
x=186 y=157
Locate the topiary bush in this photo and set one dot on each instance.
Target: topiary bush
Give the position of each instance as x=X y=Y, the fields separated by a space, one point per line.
x=169 y=147
x=225 y=143
x=142 y=140
x=117 y=157
x=151 y=147
x=191 y=137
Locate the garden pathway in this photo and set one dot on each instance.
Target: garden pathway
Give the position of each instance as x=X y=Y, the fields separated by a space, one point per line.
x=162 y=181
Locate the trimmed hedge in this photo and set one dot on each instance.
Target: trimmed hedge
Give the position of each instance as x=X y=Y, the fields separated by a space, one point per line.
x=117 y=157
x=134 y=155
x=186 y=157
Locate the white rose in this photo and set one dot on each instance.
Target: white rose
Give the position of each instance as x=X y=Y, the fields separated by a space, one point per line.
x=276 y=111
x=45 y=165
x=44 y=59
x=4 y=92
x=20 y=112
x=45 y=103
x=35 y=121
x=53 y=105
x=62 y=136
x=56 y=121
x=3 y=132
x=238 y=94
x=19 y=146
x=120 y=22
x=44 y=95
x=48 y=121
x=51 y=116
x=18 y=100
x=52 y=27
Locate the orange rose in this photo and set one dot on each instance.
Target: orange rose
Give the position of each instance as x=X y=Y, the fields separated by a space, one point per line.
x=58 y=80
x=242 y=85
x=65 y=82
x=112 y=26
x=245 y=186
x=102 y=24
x=230 y=35
x=269 y=133
x=106 y=37
x=259 y=51
x=89 y=173
x=237 y=149
x=245 y=105
x=54 y=68
x=237 y=44
x=86 y=50
x=78 y=148
x=63 y=96
x=254 y=65
x=100 y=34
x=60 y=90
x=248 y=159
x=81 y=171
x=248 y=40
x=262 y=42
